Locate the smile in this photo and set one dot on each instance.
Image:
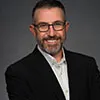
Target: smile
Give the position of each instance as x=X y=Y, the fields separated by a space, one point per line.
x=51 y=41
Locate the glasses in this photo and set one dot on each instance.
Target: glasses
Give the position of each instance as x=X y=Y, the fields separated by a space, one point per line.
x=44 y=27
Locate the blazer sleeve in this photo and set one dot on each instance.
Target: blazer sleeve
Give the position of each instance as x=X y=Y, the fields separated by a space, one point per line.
x=17 y=86
x=94 y=81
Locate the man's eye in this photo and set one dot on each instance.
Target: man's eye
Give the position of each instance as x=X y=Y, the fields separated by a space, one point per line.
x=43 y=25
x=58 y=23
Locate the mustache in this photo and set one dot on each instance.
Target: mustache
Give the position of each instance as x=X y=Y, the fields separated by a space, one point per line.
x=52 y=38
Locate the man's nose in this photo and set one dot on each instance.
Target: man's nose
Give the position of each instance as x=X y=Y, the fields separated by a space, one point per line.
x=51 y=31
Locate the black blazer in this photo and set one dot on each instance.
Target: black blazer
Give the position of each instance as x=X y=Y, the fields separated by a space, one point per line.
x=32 y=78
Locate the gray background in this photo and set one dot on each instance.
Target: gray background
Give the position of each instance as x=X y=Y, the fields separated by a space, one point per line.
x=16 y=41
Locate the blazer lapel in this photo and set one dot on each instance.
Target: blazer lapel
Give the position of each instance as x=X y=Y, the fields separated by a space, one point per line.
x=50 y=79
x=72 y=75
x=49 y=76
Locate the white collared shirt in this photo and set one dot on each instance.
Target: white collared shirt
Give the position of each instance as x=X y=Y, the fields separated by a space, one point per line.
x=60 y=71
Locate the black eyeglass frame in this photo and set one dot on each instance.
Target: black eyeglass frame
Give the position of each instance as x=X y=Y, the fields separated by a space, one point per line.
x=63 y=23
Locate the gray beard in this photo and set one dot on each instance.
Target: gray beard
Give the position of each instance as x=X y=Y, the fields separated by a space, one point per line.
x=53 y=51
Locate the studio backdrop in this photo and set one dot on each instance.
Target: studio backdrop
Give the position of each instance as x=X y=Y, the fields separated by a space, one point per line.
x=16 y=41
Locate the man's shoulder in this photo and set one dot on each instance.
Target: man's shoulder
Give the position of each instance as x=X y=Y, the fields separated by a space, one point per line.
x=30 y=59
x=78 y=56
x=18 y=65
x=80 y=60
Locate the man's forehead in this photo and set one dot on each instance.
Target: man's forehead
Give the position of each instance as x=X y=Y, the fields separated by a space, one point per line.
x=49 y=13
x=48 y=9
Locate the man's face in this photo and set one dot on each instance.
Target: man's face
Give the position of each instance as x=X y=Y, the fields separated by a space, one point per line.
x=50 y=41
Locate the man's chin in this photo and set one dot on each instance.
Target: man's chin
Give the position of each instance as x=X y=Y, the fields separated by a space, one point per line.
x=52 y=51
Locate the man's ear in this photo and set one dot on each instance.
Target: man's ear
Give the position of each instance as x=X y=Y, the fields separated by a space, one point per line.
x=32 y=30
x=67 y=26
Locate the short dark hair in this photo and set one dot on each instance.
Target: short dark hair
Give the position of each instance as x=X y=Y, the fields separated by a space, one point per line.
x=48 y=4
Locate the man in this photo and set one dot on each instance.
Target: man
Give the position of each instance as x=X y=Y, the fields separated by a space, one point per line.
x=50 y=72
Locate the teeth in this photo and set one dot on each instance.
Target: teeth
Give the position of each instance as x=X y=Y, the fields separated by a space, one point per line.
x=51 y=40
